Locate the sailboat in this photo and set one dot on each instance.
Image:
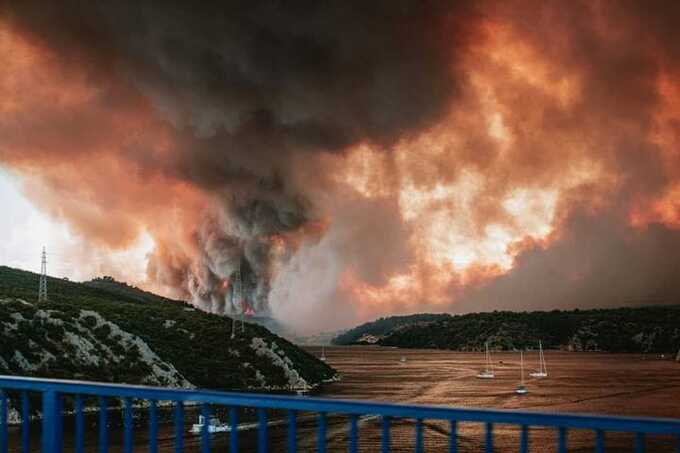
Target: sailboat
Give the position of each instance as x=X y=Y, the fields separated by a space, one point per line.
x=542 y=370
x=487 y=373
x=323 y=353
x=521 y=389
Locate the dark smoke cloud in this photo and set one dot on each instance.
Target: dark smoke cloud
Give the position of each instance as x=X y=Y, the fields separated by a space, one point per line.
x=334 y=149
x=246 y=86
x=272 y=77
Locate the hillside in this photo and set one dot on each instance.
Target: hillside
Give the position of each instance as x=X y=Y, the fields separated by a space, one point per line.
x=130 y=293
x=648 y=329
x=110 y=285
x=371 y=332
x=103 y=333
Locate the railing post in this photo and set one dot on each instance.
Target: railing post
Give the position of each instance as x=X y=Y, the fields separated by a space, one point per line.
x=321 y=438
x=153 y=426
x=639 y=443
x=80 y=425
x=562 y=445
x=60 y=422
x=292 y=431
x=353 y=433
x=179 y=427
x=128 y=439
x=205 y=430
x=488 y=443
x=419 y=436
x=386 y=434
x=4 y=437
x=103 y=425
x=524 y=441
x=50 y=422
x=453 y=437
x=599 y=441
x=262 y=438
x=233 y=434
x=25 y=423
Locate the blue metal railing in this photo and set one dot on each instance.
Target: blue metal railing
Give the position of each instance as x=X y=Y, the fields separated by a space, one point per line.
x=17 y=392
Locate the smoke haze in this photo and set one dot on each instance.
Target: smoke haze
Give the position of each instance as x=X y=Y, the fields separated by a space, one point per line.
x=357 y=159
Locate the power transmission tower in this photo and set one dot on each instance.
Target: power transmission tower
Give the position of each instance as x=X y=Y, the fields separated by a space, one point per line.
x=42 y=290
x=236 y=299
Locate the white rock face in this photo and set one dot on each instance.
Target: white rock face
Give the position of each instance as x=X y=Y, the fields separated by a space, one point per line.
x=163 y=373
x=83 y=344
x=87 y=340
x=278 y=358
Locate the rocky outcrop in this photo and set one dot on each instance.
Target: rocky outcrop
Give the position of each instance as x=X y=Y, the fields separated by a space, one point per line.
x=118 y=333
x=80 y=344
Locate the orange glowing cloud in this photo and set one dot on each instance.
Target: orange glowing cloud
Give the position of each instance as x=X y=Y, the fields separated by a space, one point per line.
x=498 y=146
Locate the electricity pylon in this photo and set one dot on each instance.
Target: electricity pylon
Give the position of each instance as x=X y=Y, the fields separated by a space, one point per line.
x=42 y=290
x=236 y=299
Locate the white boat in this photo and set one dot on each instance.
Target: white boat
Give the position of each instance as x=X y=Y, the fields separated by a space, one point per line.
x=323 y=353
x=521 y=389
x=214 y=425
x=403 y=359
x=487 y=372
x=542 y=371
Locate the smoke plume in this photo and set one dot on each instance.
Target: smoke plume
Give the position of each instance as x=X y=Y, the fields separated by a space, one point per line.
x=358 y=158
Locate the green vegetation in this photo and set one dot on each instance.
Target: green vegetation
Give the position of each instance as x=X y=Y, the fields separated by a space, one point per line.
x=111 y=332
x=647 y=329
x=382 y=326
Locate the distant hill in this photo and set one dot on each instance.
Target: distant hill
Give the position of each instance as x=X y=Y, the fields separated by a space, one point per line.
x=318 y=339
x=371 y=332
x=645 y=329
x=107 y=331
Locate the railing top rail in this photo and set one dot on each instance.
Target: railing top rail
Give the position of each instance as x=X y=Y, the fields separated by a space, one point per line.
x=312 y=404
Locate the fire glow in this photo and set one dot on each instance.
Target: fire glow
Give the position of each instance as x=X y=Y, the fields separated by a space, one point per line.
x=361 y=173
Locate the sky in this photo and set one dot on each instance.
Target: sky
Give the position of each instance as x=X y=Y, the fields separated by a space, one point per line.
x=26 y=230
x=349 y=160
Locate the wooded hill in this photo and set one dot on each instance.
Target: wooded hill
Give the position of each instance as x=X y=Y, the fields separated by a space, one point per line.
x=644 y=329
x=103 y=332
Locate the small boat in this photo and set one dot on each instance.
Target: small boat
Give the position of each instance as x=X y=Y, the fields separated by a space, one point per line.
x=214 y=425
x=521 y=389
x=323 y=353
x=403 y=359
x=487 y=372
x=542 y=371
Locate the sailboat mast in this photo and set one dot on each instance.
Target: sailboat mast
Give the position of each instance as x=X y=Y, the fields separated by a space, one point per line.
x=488 y=357
x=543 y=368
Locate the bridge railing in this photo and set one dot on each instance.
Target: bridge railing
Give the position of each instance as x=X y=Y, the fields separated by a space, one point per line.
x=20 y=394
